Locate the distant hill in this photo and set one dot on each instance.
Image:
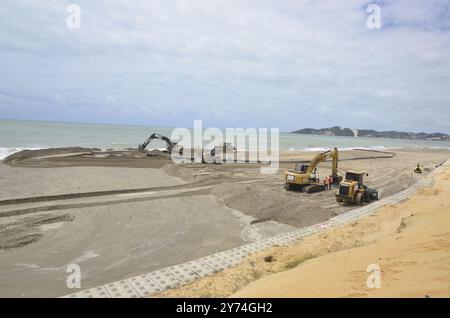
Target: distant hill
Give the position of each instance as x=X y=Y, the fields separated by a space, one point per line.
x=349 y=132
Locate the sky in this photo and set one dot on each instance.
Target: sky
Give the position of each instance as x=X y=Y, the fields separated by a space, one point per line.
x=231 y=63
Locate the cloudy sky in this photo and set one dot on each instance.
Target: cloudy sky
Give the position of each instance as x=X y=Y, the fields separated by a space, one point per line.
x=233 y=63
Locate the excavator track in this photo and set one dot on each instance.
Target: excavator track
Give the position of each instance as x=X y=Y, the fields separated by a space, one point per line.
x=313 y=188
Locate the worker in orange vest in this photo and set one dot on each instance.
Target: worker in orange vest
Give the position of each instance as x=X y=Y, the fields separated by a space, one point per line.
x=326 y=182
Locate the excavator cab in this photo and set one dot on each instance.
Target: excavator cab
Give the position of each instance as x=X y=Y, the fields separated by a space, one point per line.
x=301 y=167
x=355 y=176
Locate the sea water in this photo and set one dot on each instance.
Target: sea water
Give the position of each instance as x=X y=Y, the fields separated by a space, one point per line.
x=16 y=135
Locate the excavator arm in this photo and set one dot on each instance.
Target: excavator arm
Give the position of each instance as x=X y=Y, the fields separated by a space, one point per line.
x=334 y=167
x=321 y=157
x=170 y=144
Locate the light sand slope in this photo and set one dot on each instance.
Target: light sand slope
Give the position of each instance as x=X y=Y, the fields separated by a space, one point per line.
x=414 y=261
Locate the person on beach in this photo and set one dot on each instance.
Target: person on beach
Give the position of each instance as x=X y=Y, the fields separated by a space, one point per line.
x=326 y=182
x=331 y=182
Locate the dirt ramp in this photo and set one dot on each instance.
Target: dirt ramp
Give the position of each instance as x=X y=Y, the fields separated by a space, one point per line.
x=270 y=201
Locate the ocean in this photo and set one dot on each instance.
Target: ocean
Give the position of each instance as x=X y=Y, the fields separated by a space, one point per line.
x=16 y=135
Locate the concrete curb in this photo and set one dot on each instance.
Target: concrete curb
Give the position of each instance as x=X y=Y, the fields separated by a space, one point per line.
x=182 y=274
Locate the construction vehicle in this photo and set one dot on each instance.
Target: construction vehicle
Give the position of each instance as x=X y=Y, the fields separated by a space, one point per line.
x=225 y=148
x=217 y=154
x=304 y=177
x=169 y=144
x=353 y=190
x=418 y=169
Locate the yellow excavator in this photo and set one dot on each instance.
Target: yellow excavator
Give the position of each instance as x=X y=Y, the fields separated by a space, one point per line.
x=304 y=178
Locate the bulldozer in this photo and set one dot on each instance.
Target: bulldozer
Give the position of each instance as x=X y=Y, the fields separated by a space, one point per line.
x=304 y=177
x=418 y=169
x=353 y=190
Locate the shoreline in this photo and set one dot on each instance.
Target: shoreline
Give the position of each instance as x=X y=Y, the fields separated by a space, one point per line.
x=5 y=152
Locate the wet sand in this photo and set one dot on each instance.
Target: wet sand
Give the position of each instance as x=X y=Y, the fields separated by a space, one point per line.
x=121 y=213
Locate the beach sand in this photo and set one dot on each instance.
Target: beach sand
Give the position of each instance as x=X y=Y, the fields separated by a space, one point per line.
x=121 y=213
x=409 y=242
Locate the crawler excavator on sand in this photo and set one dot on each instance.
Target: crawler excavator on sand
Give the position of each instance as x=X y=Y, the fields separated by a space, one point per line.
x=169 y=144
x=217 y=154
x=304 y=177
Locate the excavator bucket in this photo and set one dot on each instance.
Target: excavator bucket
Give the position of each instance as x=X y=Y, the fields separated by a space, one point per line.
x=141 y=147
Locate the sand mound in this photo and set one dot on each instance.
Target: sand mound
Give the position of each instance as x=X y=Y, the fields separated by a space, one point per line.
x=29 y=154
x=275 y=203
x=78 y=156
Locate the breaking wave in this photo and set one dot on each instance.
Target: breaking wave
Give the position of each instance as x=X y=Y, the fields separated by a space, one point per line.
x=5 y=152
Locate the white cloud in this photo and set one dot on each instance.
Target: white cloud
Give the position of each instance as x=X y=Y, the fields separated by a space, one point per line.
x=284 y=64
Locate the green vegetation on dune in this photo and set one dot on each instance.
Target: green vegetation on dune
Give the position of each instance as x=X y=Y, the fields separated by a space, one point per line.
x=339 y=131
